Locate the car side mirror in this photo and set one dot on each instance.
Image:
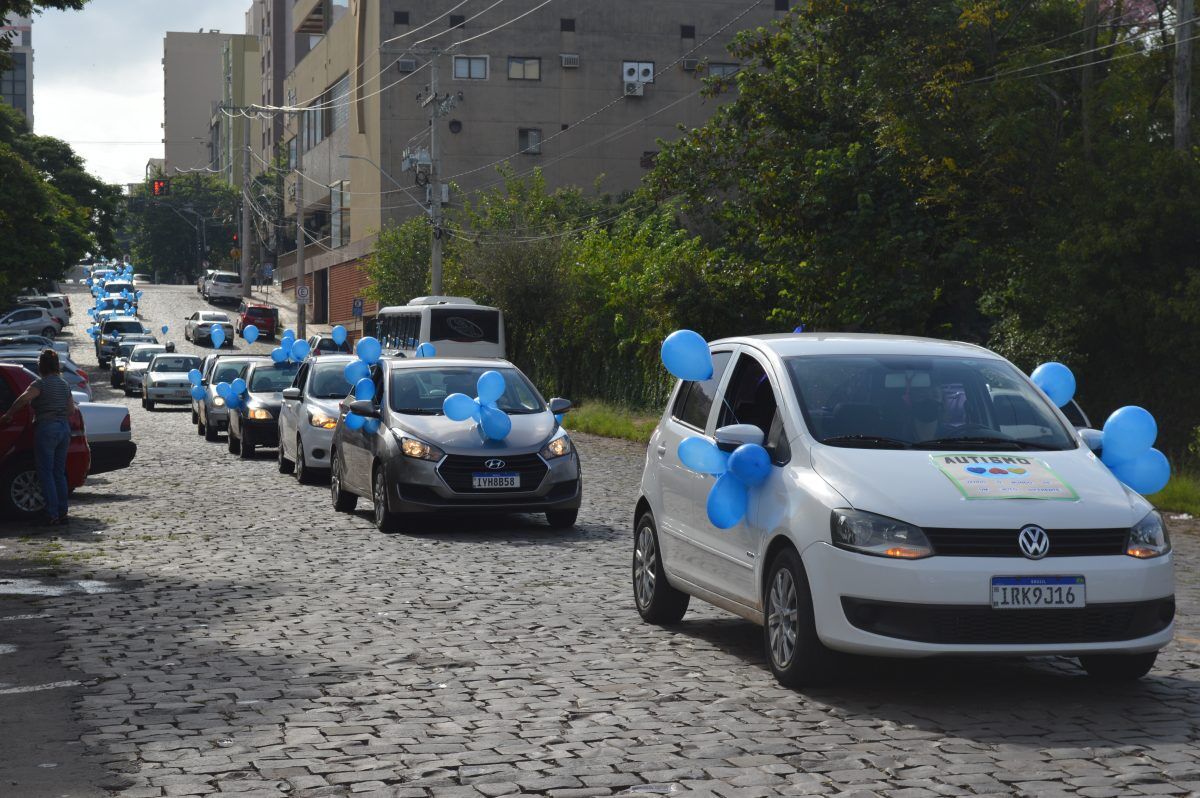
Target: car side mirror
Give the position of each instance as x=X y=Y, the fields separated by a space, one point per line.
x=1092 y=438
x=735 y=435
x=291 y=393
x=559 y=405
x=363 y=407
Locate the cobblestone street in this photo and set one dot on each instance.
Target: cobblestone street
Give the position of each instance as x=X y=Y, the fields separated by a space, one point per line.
x=253 y=641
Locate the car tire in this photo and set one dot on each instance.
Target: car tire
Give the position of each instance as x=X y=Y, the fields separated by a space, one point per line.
x=211 y=433
x=21 y=490
x=304 y=474
x=286 y=466
x=1118 y=667
x=195 y=418
x=246 y=445
x=49 y=332
x=794 y=651
x=232 y=442
x=385 y=520
x=127 y=391
x=562 y=519
x=199 y=427
x=657 y=601
x=148 y=404
x=113 y=382
x=343 y=501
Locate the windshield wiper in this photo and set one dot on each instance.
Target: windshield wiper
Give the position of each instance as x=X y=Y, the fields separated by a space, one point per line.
x=865 y=442
x=983 y=440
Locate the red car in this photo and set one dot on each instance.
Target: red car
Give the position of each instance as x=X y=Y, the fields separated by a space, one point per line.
x=20 y=488
x=264 y=317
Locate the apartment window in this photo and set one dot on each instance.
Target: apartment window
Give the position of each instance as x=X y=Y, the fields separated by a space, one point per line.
x=457 y=20
x=312 y=125
x=649 y=158
x=470 y=67
x=782 y=5
x=529 y=140
x=687 y=31
x=723 y=70
x=339 y=96
x=566 y=25
x=399 y=17
x=339 y=214
x=292 y=154
x=521 y=68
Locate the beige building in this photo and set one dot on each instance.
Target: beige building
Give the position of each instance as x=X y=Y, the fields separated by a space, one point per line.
x=193 y=84
x=16 y=82
x=231 y=132
x=581 y=89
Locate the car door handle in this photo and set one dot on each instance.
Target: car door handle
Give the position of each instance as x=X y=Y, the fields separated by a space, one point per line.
x=662 y=449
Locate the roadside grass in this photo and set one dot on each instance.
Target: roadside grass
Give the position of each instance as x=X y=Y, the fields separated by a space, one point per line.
x=611 y=421
x=1181 y=495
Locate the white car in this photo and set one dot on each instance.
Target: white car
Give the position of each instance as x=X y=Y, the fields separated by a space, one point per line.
x=29 y=321
x=109 y=436
x=135 y=368
x=899 y=515
x=223 y=287
x=309 y=415
x=199 y=325
x=57 y=306
x=166 y=380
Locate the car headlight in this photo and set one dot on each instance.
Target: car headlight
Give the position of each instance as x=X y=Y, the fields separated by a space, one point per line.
x=259 y=414
x=321 y=420
x=557 y=448
x=218 y=401
x=1148 y=538
x=120 y=367
x=420 y=450
x=878 y=535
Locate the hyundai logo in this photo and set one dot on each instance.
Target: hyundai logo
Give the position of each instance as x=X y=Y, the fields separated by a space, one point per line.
x=1034 y=542
x=494 y=464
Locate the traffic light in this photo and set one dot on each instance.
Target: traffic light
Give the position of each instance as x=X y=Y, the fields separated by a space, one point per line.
x=160 y=187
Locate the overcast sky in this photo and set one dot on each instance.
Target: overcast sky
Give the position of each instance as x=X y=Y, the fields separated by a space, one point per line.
x=98 y=76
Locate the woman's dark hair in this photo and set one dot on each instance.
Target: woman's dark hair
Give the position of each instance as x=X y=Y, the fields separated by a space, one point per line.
x=48 y=363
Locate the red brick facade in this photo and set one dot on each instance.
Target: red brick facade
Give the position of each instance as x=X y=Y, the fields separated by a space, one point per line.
x=346 y=282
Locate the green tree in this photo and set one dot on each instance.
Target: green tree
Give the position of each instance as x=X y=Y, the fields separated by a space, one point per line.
x=399 y=264
x=175 y=234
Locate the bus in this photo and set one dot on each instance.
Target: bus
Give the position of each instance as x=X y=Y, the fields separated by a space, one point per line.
x=456 y=326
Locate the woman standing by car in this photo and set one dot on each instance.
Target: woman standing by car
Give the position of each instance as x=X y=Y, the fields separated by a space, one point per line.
x=52 y=405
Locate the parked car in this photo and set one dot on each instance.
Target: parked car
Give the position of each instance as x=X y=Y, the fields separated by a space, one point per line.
x=223 y=287
x=34 y=342
x=76 y=377
x=264 y=317
x=28 y=321
x=324 y=345
x=255 y=420
x=120 y=360
x=901 y=515
x=166 y=380
x=213 y=415
x=199 y=325
x=112 y=330
x=309 y=413
x=142 y=278
x=109 y=436
x=57 y=307
x=202 y=280
x=135 y=368
x=418 y=461
x=20 y=488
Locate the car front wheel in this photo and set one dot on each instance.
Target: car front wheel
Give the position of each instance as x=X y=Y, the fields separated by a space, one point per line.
x=285 y=465
x=562 y=519
x=385 y=520
x=343 y=501
x=797 y=656
x=1118 y=667
x=657 y=601
x=234 y=446
x=304 y=474
x=246 y=445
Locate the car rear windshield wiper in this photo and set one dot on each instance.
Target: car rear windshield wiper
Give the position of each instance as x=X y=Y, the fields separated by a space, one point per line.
x=984 y=441
x=865 y=442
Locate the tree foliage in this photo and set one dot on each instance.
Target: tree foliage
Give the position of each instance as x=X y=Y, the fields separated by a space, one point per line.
x=174 y=235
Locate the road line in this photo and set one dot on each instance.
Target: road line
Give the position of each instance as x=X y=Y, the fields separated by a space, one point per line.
x=36 y=688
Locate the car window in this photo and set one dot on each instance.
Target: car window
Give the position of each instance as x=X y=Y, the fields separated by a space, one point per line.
x=215 y=317
x=421 y=391
x=328 y=381
x=122 y=327
x=226 y=278
x=7 y=397
x=750 y=399
x=273 y=378
x=174 y=363
x=695 y=399
x=1075 y=414
x=143 y=356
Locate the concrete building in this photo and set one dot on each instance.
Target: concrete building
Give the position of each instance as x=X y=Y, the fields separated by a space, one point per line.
x=193 y=83
x=271 y=22
x=581 y=89
x=16 y=82
x=240 y=84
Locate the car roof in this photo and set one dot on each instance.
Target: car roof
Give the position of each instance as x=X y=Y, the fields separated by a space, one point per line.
x=429 y=362
x=235 y=274
x=145 y=346
x=335 y=358
x=838 y=343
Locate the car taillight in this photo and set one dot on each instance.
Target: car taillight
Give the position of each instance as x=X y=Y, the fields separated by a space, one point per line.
x=125 y=425
x=83 y=376
x=76 y=424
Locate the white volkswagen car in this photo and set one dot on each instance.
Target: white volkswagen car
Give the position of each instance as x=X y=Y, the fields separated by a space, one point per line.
x=907 y=512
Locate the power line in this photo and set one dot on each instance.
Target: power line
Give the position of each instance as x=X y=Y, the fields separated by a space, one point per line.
x=464 y=22
x=1146 y=51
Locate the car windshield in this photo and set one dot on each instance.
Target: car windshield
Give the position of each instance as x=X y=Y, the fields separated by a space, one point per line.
x=174 y=363
x=143 y=355
x=273 y=378
x=226 y=278
x=229 y=370
x=903 y=402
x=328 y=381
x=111 y=327
x=330 y=345
x=262 y=313
x=421 y=391
x=213 y=317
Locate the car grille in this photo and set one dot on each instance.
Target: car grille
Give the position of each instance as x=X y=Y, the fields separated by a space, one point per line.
x=1003 y=542
x=945 y=624
x=457 y=470
x=425 y=495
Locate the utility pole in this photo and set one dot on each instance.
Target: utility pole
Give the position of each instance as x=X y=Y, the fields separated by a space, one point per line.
x=301 y=309
x=1185 y=12
x=435 y=182
x=244 y=238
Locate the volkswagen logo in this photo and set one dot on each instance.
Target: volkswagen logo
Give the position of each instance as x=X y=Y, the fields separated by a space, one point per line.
x=494 y=464
x=1034 y=542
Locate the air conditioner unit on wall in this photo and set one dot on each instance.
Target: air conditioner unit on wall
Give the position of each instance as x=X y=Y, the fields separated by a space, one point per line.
x=691 y=64
x=635 y=88
x=570 y=60
x=407 y=65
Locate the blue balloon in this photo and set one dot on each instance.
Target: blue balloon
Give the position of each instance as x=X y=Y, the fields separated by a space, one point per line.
x=558 y=419
x=368 y=349
x=224 y=390
x=354 y=421
x=371 y=425
x=727 y=502
x=194 y=376
x=495 y=422
x=218 y=336
x=459 y=407
x=490 y=387
x=751 y=464
x=1056 y=381
x=250 y=333
x=1147 y=473
x=364 y=389
x=164 y=329
x=279 y=355
x=299 y=350
x=356 y=370
x=339 y=335
x=238 y=386
x=139 y=294
x=197 y=393
x=426 y=350
x=1128 y=432
x=290 y=334
x=686 y=355
x=233 y=402
x=702 y=455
